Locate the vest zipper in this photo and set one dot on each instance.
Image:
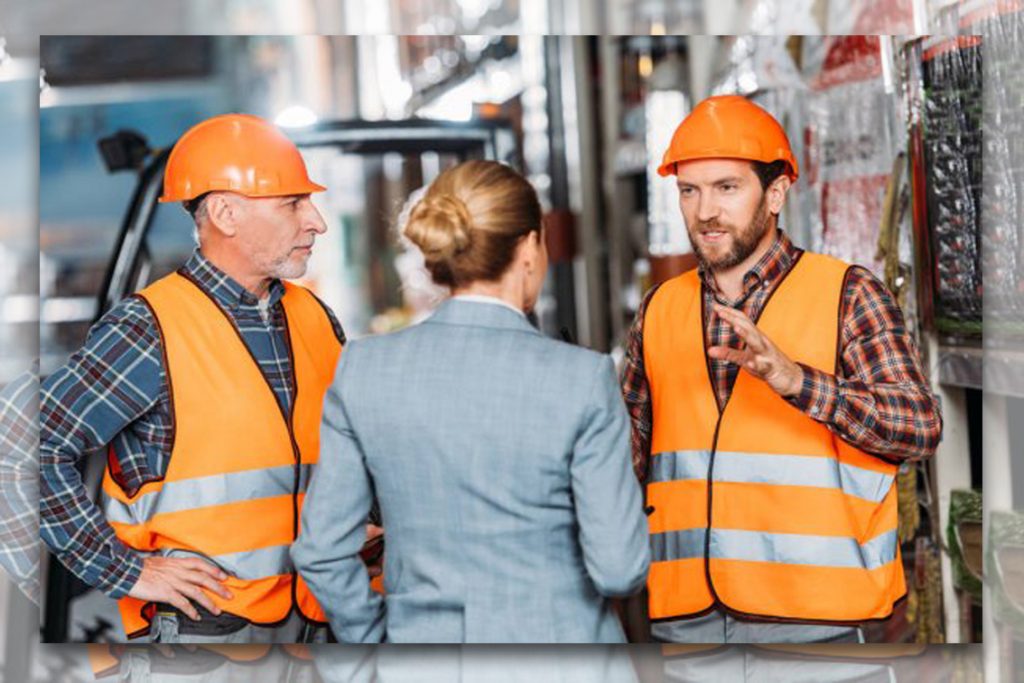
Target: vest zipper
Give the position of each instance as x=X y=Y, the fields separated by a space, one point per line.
x=288 y=418
x=285 y=415
x=298 y=469
x=298 y=458
x=717 y=601
x=707 y=532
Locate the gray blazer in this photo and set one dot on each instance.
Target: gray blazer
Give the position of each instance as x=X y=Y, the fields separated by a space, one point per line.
x=501 y=462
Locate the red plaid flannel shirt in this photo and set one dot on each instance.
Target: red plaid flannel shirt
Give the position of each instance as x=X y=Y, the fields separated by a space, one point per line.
x=880 y=402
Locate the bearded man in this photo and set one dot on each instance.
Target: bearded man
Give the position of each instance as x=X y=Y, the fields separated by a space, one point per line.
x=773 y=393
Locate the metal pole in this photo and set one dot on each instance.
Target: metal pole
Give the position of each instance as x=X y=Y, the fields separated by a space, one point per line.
x=562 y=273
x=615 y=210
x=585 y=167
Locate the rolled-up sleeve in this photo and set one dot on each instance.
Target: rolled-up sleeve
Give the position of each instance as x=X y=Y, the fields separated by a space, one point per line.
x=881 y=401
x=636 y=391
x=114 y=379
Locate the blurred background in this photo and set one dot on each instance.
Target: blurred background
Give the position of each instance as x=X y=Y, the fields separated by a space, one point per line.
x=451 y=17
x=905 y=117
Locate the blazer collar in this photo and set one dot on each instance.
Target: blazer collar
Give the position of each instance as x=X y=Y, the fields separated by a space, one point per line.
x=480 y=314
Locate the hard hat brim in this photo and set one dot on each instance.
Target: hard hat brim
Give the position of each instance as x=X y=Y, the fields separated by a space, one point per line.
x=669 y=168
x=307 y=188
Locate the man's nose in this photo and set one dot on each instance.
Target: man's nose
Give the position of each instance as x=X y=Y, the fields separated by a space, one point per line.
x=707 y=208
x=314 y=221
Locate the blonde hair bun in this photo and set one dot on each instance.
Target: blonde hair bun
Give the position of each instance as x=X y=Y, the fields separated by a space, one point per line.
x=470 y=221
x=440 y=225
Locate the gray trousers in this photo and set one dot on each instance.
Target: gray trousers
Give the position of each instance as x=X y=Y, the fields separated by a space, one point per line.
x=721 y=627
x=196 y=664
x=754 y=665
x=165 y=631
x=185 y=661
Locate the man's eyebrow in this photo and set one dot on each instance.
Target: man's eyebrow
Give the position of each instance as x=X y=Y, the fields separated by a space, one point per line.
x=721 y=181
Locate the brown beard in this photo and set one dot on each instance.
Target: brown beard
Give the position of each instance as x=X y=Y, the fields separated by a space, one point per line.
x=744 y=242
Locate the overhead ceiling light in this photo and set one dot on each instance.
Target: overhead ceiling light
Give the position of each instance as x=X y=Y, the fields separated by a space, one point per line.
x=296 y=116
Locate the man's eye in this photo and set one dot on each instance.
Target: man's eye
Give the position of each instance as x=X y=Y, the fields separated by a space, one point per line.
x=685 y=191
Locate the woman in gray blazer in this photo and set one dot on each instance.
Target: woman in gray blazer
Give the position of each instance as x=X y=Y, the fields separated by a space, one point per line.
x=499 y=457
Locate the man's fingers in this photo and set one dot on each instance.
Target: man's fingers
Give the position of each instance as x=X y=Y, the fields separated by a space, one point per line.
x=199 y=572
x=204 y=566
x=731 y=316
x=743 y=326
x=729 y=355
x=752 y=338
x=735 y=317
x=179 y=601
x=208 y=582
x=743 y=358
x=197 y=595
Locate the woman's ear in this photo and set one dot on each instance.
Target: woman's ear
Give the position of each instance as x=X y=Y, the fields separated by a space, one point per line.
x=531 y=249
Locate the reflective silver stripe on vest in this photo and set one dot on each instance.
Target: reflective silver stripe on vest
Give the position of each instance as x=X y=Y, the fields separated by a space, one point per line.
x=679 y=465
x=248 y=564
x=218 y=489
x=255 y=564
x=677 y=545
x=780 y=470
x=759 y=546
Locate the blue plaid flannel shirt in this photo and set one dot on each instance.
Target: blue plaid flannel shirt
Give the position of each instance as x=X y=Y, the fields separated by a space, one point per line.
x=114 y=391
x=19 y=481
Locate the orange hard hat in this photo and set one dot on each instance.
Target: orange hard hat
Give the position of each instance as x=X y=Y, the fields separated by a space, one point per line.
x=238 y=153
x=730 y=127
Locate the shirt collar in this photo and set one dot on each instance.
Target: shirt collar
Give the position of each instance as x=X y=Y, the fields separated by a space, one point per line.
x=226 y=291
x=773 y=264
x=484 y=299
x=459 y=311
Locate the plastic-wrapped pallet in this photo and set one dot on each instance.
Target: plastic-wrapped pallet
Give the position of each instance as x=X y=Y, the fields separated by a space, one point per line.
x=952 y=136
x=1000 y=29
x=850 y=148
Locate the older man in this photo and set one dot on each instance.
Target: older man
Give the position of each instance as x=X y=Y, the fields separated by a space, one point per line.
x=773 y=393
x=205 y=391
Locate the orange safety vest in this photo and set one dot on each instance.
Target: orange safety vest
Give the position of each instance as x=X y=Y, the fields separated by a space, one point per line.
x=758 y=508
x=239 y=466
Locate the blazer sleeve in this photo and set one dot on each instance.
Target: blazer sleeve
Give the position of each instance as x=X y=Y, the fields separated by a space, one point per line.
x=333 y=528
x=609 y=507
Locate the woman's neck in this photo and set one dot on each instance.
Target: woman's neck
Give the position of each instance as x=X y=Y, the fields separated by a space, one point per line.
x=507 y=289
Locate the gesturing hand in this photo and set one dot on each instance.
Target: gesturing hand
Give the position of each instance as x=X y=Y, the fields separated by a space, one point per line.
x=759 y=356
x=177 y=580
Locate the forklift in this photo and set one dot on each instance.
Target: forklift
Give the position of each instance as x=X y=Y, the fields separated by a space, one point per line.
x=68 y=602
